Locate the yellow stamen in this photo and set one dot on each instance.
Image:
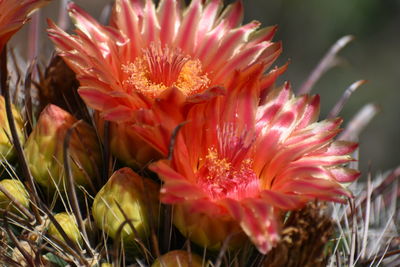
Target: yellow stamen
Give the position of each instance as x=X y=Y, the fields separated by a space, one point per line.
x=217 y=167
x=222 y=178
x=158 y=69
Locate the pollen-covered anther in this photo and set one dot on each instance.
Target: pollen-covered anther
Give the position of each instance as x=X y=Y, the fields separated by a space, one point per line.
x=221 y=178
x=160 y=68
x=216 y=167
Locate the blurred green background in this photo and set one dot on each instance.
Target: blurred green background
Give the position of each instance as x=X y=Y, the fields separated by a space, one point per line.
x=307 y=29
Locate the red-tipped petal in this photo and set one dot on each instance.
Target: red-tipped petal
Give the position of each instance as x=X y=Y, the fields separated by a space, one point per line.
x=257 y=220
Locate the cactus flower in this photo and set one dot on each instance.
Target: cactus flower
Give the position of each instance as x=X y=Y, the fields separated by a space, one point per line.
x=137 y=197
x=6 y=147
x=146 y=51
x=245 y=160
x=16 y=189
x=69 y=225
x=14 y=14
x=44 y=149
x=180 y=258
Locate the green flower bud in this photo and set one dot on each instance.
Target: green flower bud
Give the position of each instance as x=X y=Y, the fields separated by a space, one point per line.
x=126 y=145
x=16 y=189
x=7 y=151
x=44 y=149
x=69 y=225
x=206 y=230
x=180 y=258
x=136 y=196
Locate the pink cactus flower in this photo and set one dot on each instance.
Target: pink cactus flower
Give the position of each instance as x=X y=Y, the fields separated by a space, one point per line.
x=14 y=14
x=147 y=50
x=244 y=160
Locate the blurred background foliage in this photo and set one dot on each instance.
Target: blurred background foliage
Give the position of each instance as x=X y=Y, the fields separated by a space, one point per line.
x=307 y=29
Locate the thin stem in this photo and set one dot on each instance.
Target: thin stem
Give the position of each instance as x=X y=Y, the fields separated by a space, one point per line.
x=383 y=256
x=18 y=205
x=327 y=62
x=173 y=138
x=358 y=123
x=63 y=20
x=367 y=216
x=354 y=236
x=378 y=190
x=25 y=254
x=71 y=189
x=17 y=144
x=222 y=251
x=28 y=97
x=345 y=97
x=68 y=245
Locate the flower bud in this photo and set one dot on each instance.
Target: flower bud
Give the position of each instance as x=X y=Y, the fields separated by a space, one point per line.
x=180 y=258
x=16 y=189
x=137 y=197
x=7 y=151
x=206 y=230
x=44 y=149
x=126 y=145
x=69 y=225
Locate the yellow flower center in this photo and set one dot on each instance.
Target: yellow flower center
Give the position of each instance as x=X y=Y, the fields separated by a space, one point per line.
x=221 y=179
x=160 y=68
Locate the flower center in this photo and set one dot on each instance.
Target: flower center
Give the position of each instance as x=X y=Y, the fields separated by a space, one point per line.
x=160 y=68
x=221 y=179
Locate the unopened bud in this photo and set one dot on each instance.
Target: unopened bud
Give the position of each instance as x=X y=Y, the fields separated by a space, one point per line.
x=180 y=258
x=7 y=151
x=45 y=146
x=69 y=225
x=17 y=190
x=126 y=145
x=126 y=193
x=206 y=230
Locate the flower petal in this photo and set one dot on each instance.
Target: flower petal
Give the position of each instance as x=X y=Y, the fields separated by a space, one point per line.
x=257 y=220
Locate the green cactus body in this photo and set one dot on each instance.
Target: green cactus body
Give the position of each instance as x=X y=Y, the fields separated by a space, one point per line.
x=6 y=147
x=44 y=149
x=137 y=197
x=68 y=224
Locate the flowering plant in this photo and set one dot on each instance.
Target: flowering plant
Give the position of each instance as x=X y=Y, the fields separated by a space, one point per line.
x=145 y=52
x=181 y=142
x=247 y=161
